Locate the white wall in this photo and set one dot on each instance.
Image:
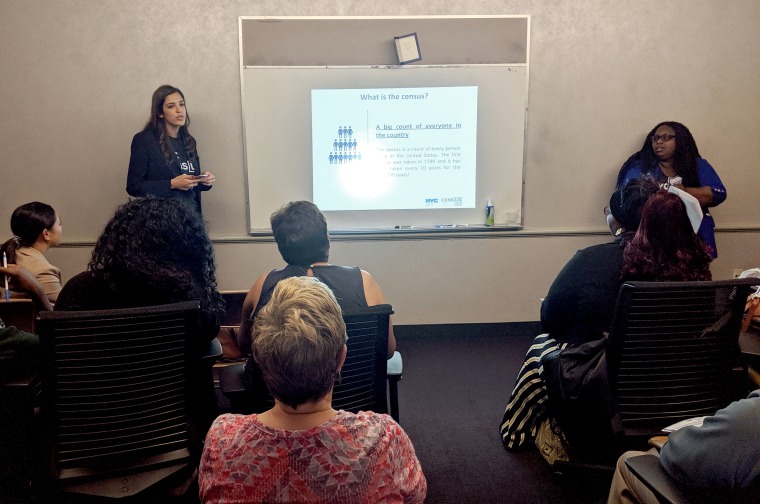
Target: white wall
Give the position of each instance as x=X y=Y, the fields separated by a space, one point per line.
x=77 y=76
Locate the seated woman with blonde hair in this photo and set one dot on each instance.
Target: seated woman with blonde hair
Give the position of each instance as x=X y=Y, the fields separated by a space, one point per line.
x=302 y=450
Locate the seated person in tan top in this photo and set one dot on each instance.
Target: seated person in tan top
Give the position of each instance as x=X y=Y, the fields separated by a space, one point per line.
x=36 y=227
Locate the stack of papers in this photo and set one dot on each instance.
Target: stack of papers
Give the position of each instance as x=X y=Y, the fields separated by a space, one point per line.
x=695 y=422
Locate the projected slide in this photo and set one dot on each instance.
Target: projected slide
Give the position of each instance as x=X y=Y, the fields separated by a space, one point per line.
x=394 y=148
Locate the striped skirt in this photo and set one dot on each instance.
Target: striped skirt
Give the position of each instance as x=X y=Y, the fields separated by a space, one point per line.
x=527 y=404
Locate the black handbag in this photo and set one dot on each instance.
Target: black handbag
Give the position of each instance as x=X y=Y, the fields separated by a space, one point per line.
x=580 y=399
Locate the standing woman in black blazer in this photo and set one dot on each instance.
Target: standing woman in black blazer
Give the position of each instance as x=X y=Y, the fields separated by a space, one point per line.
x=164 y=160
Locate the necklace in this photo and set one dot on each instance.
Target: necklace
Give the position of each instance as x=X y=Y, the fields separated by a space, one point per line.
x=176 y=143
x=311 y=267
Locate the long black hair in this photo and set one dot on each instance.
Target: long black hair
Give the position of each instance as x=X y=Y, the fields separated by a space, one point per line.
x=627 y=202
x=684 y=159
x=157 y=125
x=27 y=222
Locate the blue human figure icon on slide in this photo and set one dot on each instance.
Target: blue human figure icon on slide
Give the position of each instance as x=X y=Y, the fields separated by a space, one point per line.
x=344 y=148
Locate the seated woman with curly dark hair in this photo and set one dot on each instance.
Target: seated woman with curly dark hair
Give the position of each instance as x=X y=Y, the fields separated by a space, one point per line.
x=153 y=251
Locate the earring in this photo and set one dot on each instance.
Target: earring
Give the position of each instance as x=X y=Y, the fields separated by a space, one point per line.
x=338 y=377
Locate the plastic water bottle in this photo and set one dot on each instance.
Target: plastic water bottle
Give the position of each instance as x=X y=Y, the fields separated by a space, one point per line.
x=489 y=213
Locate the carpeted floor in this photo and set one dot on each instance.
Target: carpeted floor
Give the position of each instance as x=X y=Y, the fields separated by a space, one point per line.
x=456 y=383
x=452 y=398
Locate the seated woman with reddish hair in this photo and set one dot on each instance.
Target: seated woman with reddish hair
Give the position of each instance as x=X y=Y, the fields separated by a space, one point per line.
x=665 y=247
x=658 y=243
x=577 y=309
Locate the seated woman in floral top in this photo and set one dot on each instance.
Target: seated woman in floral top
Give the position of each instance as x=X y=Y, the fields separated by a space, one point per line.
x=302 y=450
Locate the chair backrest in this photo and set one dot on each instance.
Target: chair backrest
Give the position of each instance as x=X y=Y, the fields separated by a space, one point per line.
x=114 y=388
x=233 y=307
x=671 y=350
x=363 y=377
x=19 y=312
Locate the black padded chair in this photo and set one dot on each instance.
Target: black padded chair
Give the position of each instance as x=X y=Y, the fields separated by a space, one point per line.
x=233 y=307
x=19 y=405
x=673 y=351
x=19 y=312
x=364 y=376
x=648 y=469
x=115 y=398
x=19 y=396
x=672 y=354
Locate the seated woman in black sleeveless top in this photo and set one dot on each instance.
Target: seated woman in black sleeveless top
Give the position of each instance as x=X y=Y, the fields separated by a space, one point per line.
x=300 y=231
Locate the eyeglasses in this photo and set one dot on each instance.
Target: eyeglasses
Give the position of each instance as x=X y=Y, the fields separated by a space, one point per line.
x=606 y=210
x=664 y=138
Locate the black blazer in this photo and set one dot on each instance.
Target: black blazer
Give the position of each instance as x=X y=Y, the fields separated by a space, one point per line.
x=149 y=175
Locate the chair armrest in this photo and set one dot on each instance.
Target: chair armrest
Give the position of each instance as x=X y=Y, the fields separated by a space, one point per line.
x=395 y=365
x=649 y=470
x=394 y=368
x=211 y=354
x=658 y=441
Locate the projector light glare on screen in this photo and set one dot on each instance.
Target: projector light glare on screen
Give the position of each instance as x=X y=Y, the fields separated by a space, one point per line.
x=363 y=181
x=394 y=148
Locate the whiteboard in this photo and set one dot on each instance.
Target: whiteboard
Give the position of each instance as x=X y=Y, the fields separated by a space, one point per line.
x=276 y=105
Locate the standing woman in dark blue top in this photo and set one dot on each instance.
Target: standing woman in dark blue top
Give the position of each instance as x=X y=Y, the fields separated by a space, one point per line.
x=164 y=160
x=669 y=151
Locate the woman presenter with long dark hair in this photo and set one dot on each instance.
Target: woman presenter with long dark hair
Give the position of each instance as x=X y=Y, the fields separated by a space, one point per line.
x=164 y=160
